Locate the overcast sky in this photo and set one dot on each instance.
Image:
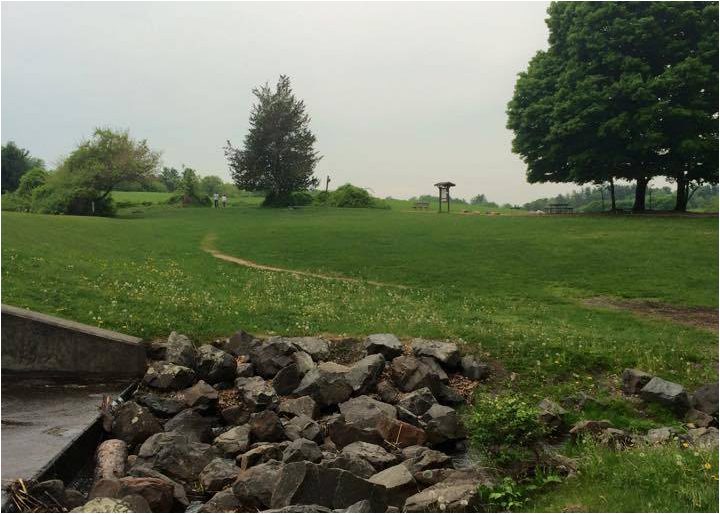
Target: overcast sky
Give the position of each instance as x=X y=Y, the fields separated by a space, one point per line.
x=401 y=95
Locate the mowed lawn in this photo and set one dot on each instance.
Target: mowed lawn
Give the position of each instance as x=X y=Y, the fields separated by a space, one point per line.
x=511 y=287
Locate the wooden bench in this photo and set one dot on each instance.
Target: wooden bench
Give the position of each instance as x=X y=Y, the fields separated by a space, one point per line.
x=421 y=205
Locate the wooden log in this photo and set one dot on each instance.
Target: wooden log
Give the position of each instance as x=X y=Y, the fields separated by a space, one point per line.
x=110 y=459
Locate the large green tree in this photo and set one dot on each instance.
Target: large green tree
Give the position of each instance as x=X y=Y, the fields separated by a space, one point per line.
x=15 y=162
x=603 y=101
x=278 y=155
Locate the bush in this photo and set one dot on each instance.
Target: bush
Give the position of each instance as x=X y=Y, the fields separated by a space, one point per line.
x=59 y=197
x=503 y=421
x=300 y=198
x=350 y=196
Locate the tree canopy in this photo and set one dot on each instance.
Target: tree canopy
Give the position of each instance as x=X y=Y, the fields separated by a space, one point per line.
x=278 y=155
x=15 y=162
x=625 y=90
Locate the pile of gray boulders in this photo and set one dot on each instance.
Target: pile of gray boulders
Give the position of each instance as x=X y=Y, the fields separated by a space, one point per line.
x=247 y=424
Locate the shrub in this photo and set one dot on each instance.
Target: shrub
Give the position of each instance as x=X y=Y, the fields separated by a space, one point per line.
x=350 y=196
x=63 y=197
x=501 y=421
x=300 y=198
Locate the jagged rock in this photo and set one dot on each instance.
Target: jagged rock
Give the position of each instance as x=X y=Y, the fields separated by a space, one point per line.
x=218 y=474
x=445 y=353
x=254 y=486
x=266 y=426
x=168 y=376
x=364 y=411
x=705 y=399
x=447 y=395
x=303 y=406
x=179 y=494
x=457 y=493
x=157 y=492
x=578 y=401
x=327 y=384
x=417 y=402
x=399 y=433
x=442 y=424
x=666 y=393
x=105 y=488
x=660 y=435
x=287 y=379
x=398 y=482
x=156 y=350
x=223 y=501
x=378 y=457
x=240 y=343
x=192 y=425
x=303 y=361
x=302 y=449
x=615 y=438
x=432 y=476
x=175 y=456
x=308 y=483
x=262 y=452
x=386 y=344
x=704 y=437
x=214 y=365
x=316 y=347
x=236 y=415
x=387 y=392
x=474 y=369
x=272 y=356
x=105 y=505
x=137 y=503
x=410 y=452
x=589 y=427
x=73 y=499
x=134 y=423
x=410 y=373
x=180 y=350
x=234 y=441
x=408 y=417
x=201 y=395
x=342 y=432
x=244 y=370
x=364 y=374
x=427 y=459
x=699 y=418
x=256 y=394
x=361 y=506
x=302 y=427
x=160 y=405
x=352 y=463
x=633 y=380
x=195 y=506
x=551 y=413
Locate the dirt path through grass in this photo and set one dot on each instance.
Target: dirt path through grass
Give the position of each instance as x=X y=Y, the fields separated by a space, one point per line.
x=209 y=246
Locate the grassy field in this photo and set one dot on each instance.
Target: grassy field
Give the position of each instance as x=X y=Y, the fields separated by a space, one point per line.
x=512 y=287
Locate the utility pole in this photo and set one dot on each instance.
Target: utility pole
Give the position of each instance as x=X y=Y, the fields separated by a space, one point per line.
x=327 y=183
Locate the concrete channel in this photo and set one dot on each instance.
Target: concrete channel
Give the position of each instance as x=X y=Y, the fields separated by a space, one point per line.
x=55 y=374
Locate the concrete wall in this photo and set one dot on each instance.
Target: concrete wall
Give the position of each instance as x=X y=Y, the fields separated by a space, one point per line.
x=46 y=347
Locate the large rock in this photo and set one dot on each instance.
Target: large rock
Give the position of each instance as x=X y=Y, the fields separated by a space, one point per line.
x=168 y=376
x=246 y=369
x=234 y=441
x=236 y=414
x=633 y=380
x=418 y=402
x=457 y=493
x=302 y=427
x=327 y=384
x=364 y=374
x=474 y=369
x=266 y=426
x=256 y=394
x=202 y=395
x=551 y=413
x=175 y=456
x=303 y=406
x=364 y=411
x=180 y=350
x=240 y=343
x=302 y=449
x=223 y=501
x=400 y=433
x=287 y=379
x=303 y=361
x=305 y=483
x=352 y=463
x=316 y=347
x=660 y=435
x=427 y=459
x=261 y=453
x=386 y=344
x=387 y=392
x=398 y=482
x=272 y=356
x=446 y=354
x=443 y=424
x=705 y=399
x=704 y=437
x=157 y=492
x=134 y=423
x=699 y=418
x=160 y=405
x=378 y=457
x=179 y=493
x=670 y=394
x=254 y=486
x=105 y=505
x=410 y=373
x=589 y=426
x=214 y=365
x=343 y=433
x=191 y=424
x=218 y=474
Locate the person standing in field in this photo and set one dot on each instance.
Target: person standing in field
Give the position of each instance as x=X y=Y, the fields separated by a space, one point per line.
x=224 y=200
x=215 y=199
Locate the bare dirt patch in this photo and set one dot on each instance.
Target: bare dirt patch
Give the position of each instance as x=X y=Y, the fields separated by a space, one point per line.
x=698 y=317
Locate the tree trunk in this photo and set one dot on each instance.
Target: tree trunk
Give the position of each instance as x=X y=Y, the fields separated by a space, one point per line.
x=612 y=194
x=640 y=191
x=110 y=459
x=681 y=197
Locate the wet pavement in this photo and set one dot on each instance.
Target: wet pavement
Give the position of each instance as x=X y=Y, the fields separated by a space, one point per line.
x=40 y=420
